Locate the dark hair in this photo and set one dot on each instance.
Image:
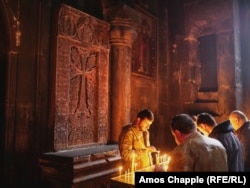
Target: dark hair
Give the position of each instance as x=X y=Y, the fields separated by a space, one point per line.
x=146 y=113
x=183 y=122
x=206 y=118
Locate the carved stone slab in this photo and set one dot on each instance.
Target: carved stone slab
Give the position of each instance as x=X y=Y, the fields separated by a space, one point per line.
x=81 y=76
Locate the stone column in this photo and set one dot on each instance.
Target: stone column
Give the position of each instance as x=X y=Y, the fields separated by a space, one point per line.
x=122 y=36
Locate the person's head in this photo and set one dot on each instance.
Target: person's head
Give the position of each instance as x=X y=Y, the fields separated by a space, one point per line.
x=181 y=126
x=194 y=117
x=205 y=123
x=237 y=119
x=144 y=119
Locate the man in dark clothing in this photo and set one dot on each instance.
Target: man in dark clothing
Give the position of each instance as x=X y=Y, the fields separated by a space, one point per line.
x=241 y=125
x=224 y=132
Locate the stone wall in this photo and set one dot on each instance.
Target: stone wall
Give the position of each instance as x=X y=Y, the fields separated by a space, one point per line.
x=216 y=90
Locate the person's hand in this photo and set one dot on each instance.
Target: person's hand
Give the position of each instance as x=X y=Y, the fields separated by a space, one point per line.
x=159 y=168
x=151 y=149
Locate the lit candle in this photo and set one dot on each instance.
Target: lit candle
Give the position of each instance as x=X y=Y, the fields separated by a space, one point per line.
x=150 y=158
x=158 y=157
x=168 y=159
x=166 y=166
x=133 y=161
x=125 y=176
x=162 y=161
x=120 y=170
x=164 y=158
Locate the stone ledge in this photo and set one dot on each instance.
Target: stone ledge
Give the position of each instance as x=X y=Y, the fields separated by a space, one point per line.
x=77 y=166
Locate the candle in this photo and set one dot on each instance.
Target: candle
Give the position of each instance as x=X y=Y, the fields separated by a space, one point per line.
x=168 y=159
x=150 y=158
x=120 y=170
x=158 y=157
x=164 y=158
x=133 y=161
x=166 y=166
x=125 y=176
x=162 y=161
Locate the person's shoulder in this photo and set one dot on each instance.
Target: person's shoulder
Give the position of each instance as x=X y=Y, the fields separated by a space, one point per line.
x=216 y=143
x=210 y=141
x=246 y=125
x=126 y=128
x=244 y=129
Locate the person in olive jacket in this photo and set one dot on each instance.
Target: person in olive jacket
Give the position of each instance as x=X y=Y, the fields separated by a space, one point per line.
x=224 y=132
x=134 y=142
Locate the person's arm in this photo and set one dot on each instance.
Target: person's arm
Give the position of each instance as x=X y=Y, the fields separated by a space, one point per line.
x=126 y=146
x=127 y=149
x=178 y=162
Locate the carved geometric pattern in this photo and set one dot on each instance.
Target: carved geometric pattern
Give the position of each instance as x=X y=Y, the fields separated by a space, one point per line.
x=81 y=88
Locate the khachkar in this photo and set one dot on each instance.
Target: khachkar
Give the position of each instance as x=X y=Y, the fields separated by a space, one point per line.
x=122 y=36
x=81 y=80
